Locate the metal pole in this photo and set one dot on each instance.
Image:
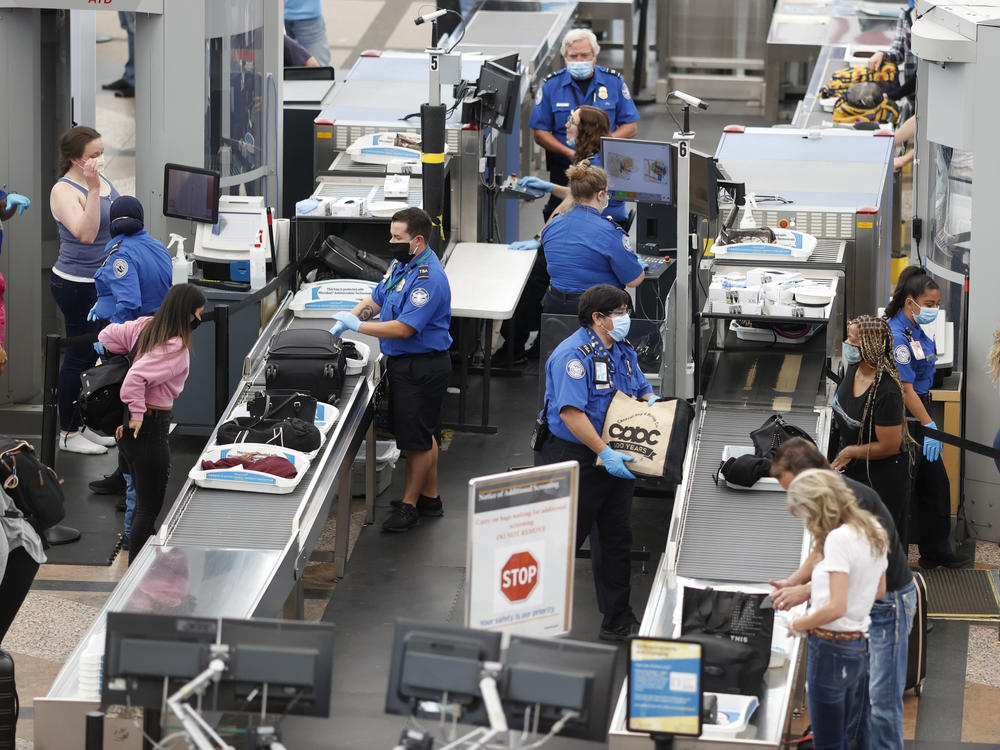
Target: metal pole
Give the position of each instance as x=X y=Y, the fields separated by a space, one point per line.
x=221 y=359
x=94 y=730
x=682 y=322
x=50 y=413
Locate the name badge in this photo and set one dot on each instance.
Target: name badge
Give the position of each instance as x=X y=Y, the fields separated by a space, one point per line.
x=918 y=350
x=601 y=380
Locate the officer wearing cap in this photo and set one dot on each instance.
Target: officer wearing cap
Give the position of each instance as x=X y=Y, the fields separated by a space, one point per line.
x=583 y=247
x=580 y=82
x=581 y=377
x=413 y=302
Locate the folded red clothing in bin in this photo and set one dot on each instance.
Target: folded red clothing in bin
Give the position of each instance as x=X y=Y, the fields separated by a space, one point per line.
x=276 y=465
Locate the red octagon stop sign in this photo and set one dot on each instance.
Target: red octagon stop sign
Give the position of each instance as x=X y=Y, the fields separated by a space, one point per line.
x=518 y=576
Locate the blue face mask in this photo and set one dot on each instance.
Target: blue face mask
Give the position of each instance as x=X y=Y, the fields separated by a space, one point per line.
x=925 y=315
x=621 y=324
x=850 y=353
x=571 y=142
x=581 y=70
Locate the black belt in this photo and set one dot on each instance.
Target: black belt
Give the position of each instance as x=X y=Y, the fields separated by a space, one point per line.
x=578 y=447
x=565 y=296
x=419 y=355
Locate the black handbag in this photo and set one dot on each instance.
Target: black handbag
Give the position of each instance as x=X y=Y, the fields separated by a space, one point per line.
x=289 y=433
x=769 y=436
x=735 y=634
x=99 y=401
x=279 y=404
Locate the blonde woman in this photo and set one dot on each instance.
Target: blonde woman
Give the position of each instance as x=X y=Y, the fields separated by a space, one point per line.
x=993 y=361
x=850 y=575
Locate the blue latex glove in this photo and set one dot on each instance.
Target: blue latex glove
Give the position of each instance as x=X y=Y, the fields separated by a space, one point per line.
x=932 y=447
x=653 y=398
x=306 y=206
x=92 y=315
x=535 y=182
x=642 y=263
x=350 y=320
x=99 y=348
x=22 y=202
x=614 y=463
x=525 y=245
x=338 y=328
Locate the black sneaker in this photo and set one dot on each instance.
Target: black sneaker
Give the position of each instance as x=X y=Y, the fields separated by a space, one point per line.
x=128 y=92
x=620 y=632
x=426 y=506
x=112 y=484
x=402 y=518
x=115 y=85
x=948 y=560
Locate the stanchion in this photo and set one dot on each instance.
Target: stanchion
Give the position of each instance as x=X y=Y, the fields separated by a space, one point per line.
x=94 y=730
x=221 y=359
x=50 y=430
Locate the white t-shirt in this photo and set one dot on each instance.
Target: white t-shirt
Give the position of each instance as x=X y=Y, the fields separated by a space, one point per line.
x=846 y=551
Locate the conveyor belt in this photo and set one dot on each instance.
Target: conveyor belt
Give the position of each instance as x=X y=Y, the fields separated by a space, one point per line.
x=729 y=535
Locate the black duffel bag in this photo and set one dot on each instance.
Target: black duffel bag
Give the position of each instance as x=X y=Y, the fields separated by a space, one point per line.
x=769 y=436
x=279 y=404
x=288 y=433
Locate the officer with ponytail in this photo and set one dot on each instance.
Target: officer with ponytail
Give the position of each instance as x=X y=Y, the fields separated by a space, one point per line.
x=915 y=303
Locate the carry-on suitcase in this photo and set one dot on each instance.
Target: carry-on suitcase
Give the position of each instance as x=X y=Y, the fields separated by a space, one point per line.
x=916 y=661
x=8 y=703
x=309 y=360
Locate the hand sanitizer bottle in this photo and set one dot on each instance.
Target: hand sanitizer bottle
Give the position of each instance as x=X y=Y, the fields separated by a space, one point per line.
x=180 y=265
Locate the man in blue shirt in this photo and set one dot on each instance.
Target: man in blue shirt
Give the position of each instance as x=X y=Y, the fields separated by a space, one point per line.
x=580 y=82
x=413 y=301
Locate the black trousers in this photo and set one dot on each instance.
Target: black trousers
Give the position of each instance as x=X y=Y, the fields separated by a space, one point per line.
x=528 y=313
x=148 y=460
x=892 y=479
x=559 y=304
x=931 y=501
x=17 y=579
x=605 y=506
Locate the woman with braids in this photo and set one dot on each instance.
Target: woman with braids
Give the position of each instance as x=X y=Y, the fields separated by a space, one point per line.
x=914 y=304
x=868 y=409
x=993 y=362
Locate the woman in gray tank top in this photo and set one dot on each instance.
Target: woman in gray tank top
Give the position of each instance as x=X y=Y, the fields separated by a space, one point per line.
x=81 y=203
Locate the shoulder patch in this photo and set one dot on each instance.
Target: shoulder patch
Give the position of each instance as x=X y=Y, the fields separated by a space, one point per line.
x=539 y=95
x=626 y=242
x=625 y=92
x=575 y=369
x=902 y=354
x=419 y=297
x=120 y=267
x=423 y=272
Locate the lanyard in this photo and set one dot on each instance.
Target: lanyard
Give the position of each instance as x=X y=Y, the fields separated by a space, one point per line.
x=600 y=348
x=407 y=267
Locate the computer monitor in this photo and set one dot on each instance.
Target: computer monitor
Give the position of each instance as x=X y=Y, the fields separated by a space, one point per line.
x=429 y=660
x=191 y=193
x=638 y=170
x=703 y=190
x=547 y=677
x=498 y=88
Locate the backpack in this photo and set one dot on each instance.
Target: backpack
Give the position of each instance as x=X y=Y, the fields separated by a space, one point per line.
x=843 y=79
x=33 y=486
x=864 y=101
x=100 y=401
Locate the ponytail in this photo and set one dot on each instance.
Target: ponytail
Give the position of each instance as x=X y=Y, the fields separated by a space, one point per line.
x=913 y=282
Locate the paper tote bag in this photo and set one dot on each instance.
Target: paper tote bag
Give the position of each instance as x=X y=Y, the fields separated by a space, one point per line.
x=654 y=436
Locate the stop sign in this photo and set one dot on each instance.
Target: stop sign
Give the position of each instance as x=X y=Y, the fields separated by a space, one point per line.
x=518 y=576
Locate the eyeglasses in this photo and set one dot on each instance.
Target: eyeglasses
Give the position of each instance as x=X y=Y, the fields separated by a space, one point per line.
x=617 y=313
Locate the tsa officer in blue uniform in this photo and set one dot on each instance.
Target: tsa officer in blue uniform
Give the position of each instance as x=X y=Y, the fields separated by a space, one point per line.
x=580 y=82
x=581 y=377
x=583 y=247
x=914 y=303
x=413 y=301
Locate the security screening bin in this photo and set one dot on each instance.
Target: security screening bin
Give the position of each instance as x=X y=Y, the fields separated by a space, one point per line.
x=386 y=456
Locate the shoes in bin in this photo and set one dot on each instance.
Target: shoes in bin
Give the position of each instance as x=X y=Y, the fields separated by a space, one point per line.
x=402 y=518
x=426 y=506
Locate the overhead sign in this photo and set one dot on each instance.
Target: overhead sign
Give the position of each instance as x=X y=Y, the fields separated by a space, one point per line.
x=521 y=548
x=664 y=687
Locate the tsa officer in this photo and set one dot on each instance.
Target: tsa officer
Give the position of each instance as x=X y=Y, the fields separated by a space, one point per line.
x=914 y=303
x=413 y=301
x=583 y=247
x=580 y=82
x=581 y=376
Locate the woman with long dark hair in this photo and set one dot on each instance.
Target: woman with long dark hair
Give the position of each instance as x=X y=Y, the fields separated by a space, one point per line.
x=915 y=303
x=154 y=380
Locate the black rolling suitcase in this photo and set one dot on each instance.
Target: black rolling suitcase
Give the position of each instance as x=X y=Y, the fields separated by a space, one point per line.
x=309 y=360
x=8 y=703
x=916 y=662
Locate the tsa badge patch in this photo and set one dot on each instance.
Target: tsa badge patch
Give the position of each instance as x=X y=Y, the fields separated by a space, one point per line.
x=575 y=369
x=120 y=267
x=419 y=297
x=902 y=354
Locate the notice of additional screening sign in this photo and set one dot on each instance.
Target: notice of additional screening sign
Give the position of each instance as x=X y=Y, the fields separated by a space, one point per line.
x=521 y=549
x=664 y=687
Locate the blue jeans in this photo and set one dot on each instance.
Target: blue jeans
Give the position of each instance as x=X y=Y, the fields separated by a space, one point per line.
x=311 y=34
x=129 y=503
x=833 y=673
x=879 y=723
x=126 y=18
x=75 y=300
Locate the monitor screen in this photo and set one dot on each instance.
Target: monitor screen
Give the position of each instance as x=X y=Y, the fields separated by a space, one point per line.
x=704 y=189
x=498 y=89
x=638 y=170
x=191 y=193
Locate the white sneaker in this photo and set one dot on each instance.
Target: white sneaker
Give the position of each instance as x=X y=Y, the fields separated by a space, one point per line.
x=77 y=443
x=107 y=442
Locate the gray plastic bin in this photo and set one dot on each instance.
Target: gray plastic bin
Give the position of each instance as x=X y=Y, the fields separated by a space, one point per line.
x=386 y=456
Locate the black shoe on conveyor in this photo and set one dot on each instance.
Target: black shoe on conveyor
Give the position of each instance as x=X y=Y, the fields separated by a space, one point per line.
x=401 y=519
x=112 y=484
x=426 y=506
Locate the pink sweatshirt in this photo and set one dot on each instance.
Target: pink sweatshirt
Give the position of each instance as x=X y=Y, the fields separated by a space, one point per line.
x=155 y=378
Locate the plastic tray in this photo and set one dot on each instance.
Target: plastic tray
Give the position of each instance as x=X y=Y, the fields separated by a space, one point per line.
x=767 y=484
x=734 y=714
x=240 y=479
x=326 y=415
x=801 y=249
x=357 y=366
x=321 y=299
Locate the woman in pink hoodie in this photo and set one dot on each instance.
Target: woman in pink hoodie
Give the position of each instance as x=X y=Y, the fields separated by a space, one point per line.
x=154 y=380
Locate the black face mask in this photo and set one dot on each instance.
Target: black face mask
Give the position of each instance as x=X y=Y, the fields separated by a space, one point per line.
x=195 y=323
x=400 y=251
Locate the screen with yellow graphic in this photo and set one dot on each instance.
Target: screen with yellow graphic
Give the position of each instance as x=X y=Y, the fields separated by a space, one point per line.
x=664 y=687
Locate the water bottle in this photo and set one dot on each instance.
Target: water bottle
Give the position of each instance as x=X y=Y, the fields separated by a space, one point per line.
x=258 y=263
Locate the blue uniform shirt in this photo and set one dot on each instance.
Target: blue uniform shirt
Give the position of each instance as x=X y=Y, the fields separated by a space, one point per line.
x=559 y=95
x=417 y=294
x=583 y=249
x=134 y=278
x=919 y=372
x=571 y=379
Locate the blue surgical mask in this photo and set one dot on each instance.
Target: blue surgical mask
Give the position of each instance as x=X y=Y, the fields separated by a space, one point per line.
x=926 y=315
x=621 y=324
x=571 y=142
x=581 y=70
x=850 y=353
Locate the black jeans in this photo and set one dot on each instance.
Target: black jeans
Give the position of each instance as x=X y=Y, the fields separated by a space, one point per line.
x=17 y=579
x=931 y=501
x=558 y=304
x=148 y=459
x=892 y=479
x=605 y=505
x=74 y=300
